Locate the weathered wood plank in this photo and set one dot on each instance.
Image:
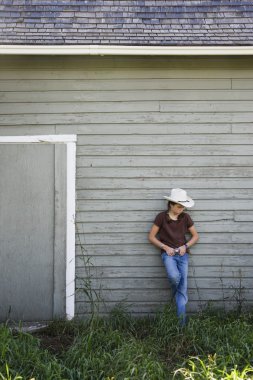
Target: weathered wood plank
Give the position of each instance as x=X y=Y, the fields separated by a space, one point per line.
x=204 y=148
x=128 y=117
x=176 y=161
x=156 y=205
x=142 y=194
x=209 y=271
x=88 y=251
x=205 y=106
x=125 y=129
x=166 y=172
x=115 y=84
x=243 y=216
x=139 y=129
x=163 y=183
x=163 y=283
x=219 y=260
x=126 y=106
x=140 y=238
x=125 y=227
x=242 y=84
x=148 y=216
x=163 y=295
x=242 y=128
x=12 y=130
x=123 y=73
x=220 y=139
x=126 y=95
x=78 y=107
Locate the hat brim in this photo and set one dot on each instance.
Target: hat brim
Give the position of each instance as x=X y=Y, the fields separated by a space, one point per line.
x=188 y=203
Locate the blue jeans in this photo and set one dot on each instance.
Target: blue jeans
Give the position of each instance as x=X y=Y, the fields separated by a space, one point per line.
x=177 y=271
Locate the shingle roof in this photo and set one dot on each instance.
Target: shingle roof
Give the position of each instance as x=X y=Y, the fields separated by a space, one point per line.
x=120 y=22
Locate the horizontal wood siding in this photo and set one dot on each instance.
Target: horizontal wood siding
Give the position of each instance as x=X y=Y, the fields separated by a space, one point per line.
x=146 y=125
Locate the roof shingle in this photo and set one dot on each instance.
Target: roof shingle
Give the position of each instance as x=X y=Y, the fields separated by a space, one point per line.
x=135 y=22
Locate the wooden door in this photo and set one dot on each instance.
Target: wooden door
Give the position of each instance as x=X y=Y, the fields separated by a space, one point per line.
x=32 y=232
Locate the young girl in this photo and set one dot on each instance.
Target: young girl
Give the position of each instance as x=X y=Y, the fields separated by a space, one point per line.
x=171 y=227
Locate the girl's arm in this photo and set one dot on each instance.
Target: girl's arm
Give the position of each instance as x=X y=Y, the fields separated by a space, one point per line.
x=194 y=238
x=157 y=243
x=192 y=241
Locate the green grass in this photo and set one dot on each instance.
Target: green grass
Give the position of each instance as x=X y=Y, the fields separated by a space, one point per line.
x=212 y=346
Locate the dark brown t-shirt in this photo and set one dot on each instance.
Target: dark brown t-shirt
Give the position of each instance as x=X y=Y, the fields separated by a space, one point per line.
x=172 y=232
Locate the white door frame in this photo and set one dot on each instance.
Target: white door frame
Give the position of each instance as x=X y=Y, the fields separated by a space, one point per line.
x=70 y=141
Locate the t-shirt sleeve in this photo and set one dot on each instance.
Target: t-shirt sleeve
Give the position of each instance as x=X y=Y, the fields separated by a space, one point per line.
x=158 y=220
x=189 y=221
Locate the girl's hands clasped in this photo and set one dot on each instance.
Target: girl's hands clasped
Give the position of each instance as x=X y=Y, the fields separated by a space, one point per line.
x=171 y=251
x=182 y=250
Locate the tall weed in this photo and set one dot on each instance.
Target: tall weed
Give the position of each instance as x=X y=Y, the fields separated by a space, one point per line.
x=212 y=346
x=21 y=353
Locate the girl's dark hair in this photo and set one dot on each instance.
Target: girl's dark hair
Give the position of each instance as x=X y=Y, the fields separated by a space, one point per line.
x=170 y=203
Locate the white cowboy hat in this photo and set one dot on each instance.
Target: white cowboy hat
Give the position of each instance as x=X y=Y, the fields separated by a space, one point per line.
x=180 y=196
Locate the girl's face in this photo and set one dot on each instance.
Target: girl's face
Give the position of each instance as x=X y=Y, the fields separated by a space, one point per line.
x=177 y=209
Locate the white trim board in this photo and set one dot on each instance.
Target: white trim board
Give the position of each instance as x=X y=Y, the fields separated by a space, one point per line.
x=54 y=139
x=124 y=50
x=70 y=141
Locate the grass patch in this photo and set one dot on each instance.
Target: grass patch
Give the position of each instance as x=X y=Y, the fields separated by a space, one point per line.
x=212 y=346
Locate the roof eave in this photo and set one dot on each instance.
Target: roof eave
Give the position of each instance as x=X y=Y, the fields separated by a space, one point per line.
x=123 y=50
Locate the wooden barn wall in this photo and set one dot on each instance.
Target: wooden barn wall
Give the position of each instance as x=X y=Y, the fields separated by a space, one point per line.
x=145 y=125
